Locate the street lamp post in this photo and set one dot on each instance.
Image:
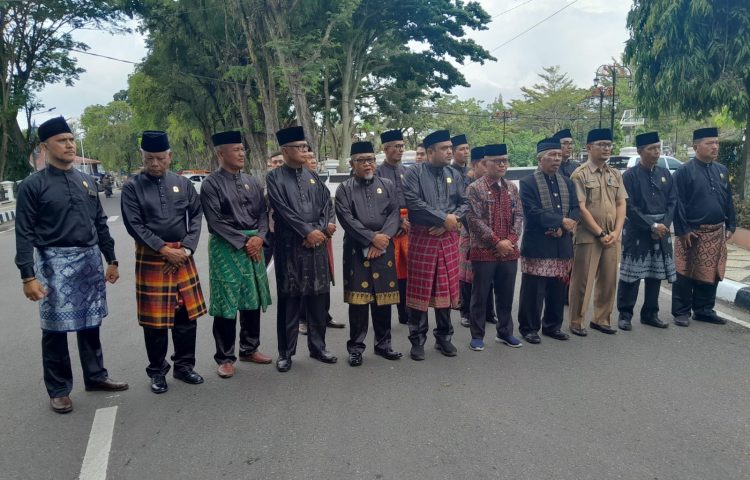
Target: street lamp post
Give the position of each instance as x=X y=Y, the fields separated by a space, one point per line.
x=610 y=71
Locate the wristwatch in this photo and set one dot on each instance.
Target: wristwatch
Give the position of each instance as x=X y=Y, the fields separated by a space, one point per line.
x=653 y=227
x=115 y=263
x=188 y=252
x=602 y=235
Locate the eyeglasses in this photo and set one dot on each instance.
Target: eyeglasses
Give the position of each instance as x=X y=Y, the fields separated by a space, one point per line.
x=498 y=161
x=603 y=145
x=397 y=147
x=362 y=160
x=300 y=148
x=567 y=144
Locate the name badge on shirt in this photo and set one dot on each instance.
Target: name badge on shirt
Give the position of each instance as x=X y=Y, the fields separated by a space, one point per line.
x=176 y=189
x=312 y=180
x=86 y=184
x=663 y=179
x=379 y=190
x=449 y=179
x=247 y=187
x=722 y=176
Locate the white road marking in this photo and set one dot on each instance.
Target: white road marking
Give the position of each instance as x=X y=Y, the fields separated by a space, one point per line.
x=100 y=441
x=113 y=218
x=269 y=267
x=719 y=312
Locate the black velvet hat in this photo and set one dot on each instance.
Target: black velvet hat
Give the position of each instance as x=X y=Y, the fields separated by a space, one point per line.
x=391 y=136
x=52 y=127
x=709 y=132
x=459 y=140
x=226 y=138
x=599 y=134
x=477 y=154
x=564 y=133
x=289 y=135
x=548 y=144
x=361 y=147
x=495 y=150
x=436 y=137
x=154 y=141
x=646 y=139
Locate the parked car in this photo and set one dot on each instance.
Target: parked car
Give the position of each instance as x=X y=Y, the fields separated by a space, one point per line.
x=196 y=179
x=665 y=161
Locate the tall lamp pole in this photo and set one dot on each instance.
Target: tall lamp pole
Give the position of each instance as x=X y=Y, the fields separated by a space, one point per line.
x=610 y=71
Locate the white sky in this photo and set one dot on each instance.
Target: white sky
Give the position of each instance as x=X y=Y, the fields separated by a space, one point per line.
x=580 y=38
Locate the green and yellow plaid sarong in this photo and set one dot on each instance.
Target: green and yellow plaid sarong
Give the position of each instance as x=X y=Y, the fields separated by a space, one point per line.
x=237 y=283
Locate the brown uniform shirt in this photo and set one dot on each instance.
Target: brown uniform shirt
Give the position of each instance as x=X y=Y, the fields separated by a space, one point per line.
x=600 y=188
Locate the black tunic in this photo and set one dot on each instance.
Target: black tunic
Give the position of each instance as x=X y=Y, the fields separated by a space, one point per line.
x=650 y=193
x=233 y=202
x=396 y=174
x=59 y=208
x=157 y=210
x=432 y=193
x=567 y=167
x=705 y=196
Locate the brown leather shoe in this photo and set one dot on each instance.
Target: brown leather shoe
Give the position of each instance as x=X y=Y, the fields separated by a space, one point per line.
x=256 y=357
x=226 y=370
x=61 y=404
x=107 y=385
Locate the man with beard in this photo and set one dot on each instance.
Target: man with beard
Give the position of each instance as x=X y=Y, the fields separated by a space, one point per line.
x=367 y=207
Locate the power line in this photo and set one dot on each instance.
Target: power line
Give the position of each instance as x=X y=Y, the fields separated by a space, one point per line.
x=512 y=8
x=533 y=26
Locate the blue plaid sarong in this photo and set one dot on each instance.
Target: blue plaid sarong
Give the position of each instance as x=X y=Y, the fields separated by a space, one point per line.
x=74 y=279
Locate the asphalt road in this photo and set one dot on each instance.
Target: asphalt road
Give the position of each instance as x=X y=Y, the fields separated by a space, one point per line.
x=645 y=404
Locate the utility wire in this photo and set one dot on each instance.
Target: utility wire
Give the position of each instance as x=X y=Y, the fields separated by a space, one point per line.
x=511 y=8
x=533 y=26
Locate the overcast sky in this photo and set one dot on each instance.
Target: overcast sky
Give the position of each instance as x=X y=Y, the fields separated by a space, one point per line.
x=579 y=38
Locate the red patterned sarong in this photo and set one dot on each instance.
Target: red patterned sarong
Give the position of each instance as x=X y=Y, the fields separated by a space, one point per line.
x=433 y=270
x=706 y=260
x=401 y=250
x=465 y=273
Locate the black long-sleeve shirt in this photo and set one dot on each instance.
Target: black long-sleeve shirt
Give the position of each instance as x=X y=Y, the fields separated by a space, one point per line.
x=396 y=174
x=59 y=208
x=233 y=202
x=650 y=192
x=366 y=208
x=300 y=200
x=432 y=193
x=705 y=196
x=157 y=210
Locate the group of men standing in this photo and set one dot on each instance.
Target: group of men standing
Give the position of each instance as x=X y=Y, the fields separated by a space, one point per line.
x=437 y=235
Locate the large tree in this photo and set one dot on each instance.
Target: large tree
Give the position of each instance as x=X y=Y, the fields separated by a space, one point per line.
x=692 y=57
x=111 y=135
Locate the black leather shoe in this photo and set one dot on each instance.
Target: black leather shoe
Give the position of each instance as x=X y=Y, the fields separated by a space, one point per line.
x=417 y=352
x=191 y=376
x=284 y=364
x=446 y=348
x=580 y=331
x=107 y=385
x=389 y=354
x=403 y=320
x=334 y=324
x=682 y=321
x=654 y=322
x=355 y=359
x=715 y=319
x=159 y=384
x=465 y=322
x=325 y=356
x=557 y=335
x=532 y=337
x=624 y=324
x=603 y=328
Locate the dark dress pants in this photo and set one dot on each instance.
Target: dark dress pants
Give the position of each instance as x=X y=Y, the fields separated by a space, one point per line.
x=500 y=276
x=627 y=294
x=358 y=323
x=183 y=337
x=689 y=294
x=58 y=375
x=225 y=331
x=538 y=292
x=288 y=314
x=465 y=289
x=403 y=314
x=418 y=326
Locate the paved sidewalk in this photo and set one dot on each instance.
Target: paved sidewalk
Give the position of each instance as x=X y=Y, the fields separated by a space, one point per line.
x=735 y=287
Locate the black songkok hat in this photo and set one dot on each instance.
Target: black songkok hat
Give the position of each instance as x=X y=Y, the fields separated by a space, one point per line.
x=564 y=133
x=459 y=140
x=548 y=144
x=361 y=147
x=599 y=134
x=289 y=135
x=154 y=141
x=477 y=154
x=709 y=132
x=391 y=136
x=436 y=137
x=646 y=139
x=495 y=150
x=52 y=127
x=226 y=138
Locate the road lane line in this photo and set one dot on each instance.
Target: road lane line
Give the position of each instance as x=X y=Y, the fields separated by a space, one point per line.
x=719 y=312
x=269 y=267
x=113 y=218
x=100 y=441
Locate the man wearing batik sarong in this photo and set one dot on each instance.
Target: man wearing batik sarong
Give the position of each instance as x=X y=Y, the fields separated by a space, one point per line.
x=435 y=198
x=162 y=212
x=58 y=212
x=551 y=212
x=302 y=213
x=237 y=218
x=706 y=219
x=394 y=170
x=367 y=207
x=646 y=238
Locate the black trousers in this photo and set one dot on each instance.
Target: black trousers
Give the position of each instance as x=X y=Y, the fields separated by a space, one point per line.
x=627 y=294
x=688 y=294
x=225 y=331
x=403 y=314
x=465 y=290
x=418 y=326
x=538 y=292
x=58 y=375
x=288 y=314
x=358 y=323
x=489 y=276
x=303 y=313
x=268 y=247
x=157 y=345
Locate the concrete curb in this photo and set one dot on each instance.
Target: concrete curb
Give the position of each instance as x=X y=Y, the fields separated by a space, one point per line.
x=8 y=216
x=734 y=292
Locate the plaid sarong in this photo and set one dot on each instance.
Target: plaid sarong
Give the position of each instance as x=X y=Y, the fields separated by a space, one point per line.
x=401 y=250
x=237 y=283
x=74 y=279
x=159 y=295
x=706 y=260
x=433 y=270
x=465 y=273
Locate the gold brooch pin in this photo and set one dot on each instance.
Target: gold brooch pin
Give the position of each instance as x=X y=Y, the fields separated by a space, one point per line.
x=176 y=189
x=85 y=184
x=663 y=179
x=379 y=190
x=312 y=180
x=449 y=180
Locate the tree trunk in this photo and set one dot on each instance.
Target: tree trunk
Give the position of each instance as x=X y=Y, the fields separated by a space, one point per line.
x=745 y=193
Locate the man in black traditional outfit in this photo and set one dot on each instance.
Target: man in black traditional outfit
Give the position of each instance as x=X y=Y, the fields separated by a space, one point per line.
x=706 y=219
x=162 y=212
x=58 y=212
x=302 y=214
x=568 y=165
x=646 y=238
x=461 y=154
x=367 y=207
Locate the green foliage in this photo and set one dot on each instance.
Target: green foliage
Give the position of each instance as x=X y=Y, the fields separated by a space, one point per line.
x=111 y=135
